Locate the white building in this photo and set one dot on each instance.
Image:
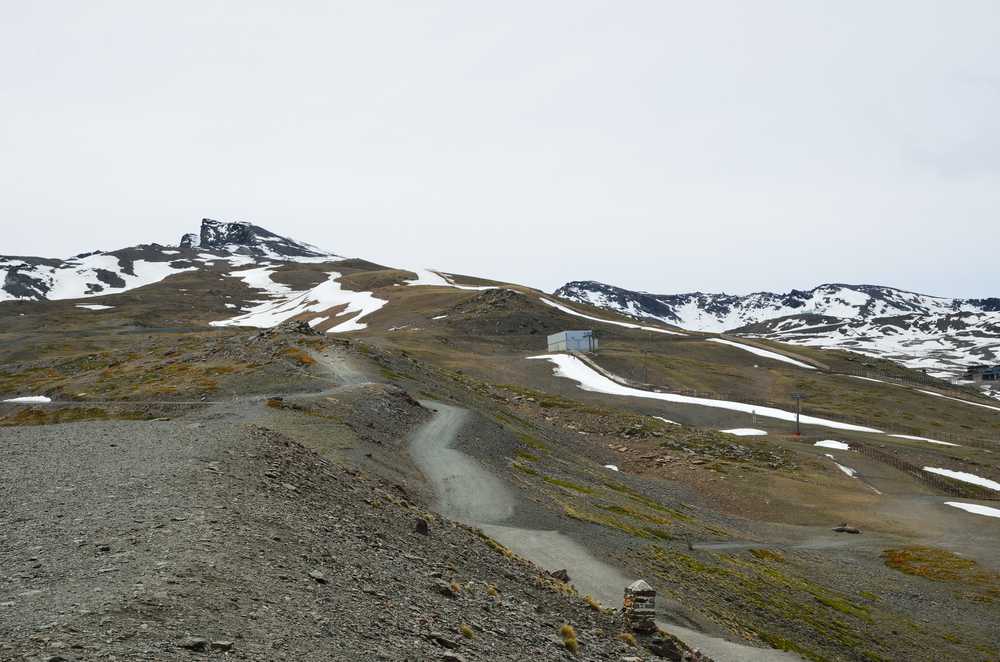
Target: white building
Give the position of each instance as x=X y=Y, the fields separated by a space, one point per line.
x=573 y=341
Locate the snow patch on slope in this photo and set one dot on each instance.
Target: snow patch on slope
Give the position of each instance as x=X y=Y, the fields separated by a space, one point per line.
x=831 y=443
x=80 y=277
x=589 y=379
x=915 y=438
x=965 y=477
x=285 y=303
x=974 y=508
x=440 y=279
x=762 y=352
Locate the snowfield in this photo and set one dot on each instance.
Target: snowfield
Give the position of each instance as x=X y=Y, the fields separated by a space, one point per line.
x=965 y=477
x=627 y=325
x=870 y=379
x=285 y=303
x=41 y=399
x=746 y=432
x=571 y=367
x=93 y=306
x=974 y=508
x=967 y=402
x=440 y=279
x=847 y=470
x=831 y=443
x=77 y=277
x=930 y=441
x=762 y=352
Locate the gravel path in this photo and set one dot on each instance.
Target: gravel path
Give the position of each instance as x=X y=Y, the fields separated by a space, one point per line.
x=467 y=490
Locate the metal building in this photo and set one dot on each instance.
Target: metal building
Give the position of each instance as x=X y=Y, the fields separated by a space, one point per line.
x=573 y=341
x=978 y=373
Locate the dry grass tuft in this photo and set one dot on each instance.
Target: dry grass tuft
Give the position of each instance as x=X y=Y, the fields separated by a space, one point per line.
x=301 y=357
x=568 y=634
x=628 y=638
x=594 y=604
x=466 y=631
x=767 y=555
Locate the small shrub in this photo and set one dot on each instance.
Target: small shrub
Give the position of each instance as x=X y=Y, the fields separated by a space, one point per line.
x=299 y=356
x=767 y=555
x=569 y=638
x=466 y=631
x=456 y=588
x=594 y=604
x=628 y=638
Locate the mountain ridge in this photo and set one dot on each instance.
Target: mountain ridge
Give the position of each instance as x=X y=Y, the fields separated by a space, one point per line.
x=97 y=273
x=942 y=335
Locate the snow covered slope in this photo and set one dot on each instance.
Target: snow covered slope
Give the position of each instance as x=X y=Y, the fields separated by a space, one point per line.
x=939 y=334
x=99 y=273
x=88 y=274
x=326 y=300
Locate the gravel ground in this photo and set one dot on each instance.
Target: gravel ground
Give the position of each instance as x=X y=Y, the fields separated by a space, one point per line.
x=211 y=537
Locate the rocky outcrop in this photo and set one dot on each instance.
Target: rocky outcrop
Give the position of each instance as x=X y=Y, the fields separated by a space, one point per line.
x=249 y=239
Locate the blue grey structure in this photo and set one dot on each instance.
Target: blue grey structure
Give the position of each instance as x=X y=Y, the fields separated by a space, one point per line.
x=573 y=341
x=979 y=373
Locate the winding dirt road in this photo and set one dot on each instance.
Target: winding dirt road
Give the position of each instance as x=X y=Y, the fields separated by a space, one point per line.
x=468 y=492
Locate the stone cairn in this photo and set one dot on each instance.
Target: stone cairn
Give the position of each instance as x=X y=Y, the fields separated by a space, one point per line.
x=639 y=609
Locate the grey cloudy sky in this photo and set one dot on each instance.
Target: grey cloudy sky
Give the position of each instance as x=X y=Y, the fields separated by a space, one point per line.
x=665 y=146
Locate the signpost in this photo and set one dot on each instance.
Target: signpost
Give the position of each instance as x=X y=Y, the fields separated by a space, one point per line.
x=798 y=412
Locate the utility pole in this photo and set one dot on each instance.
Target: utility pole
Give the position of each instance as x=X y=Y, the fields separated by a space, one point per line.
x=798 y=412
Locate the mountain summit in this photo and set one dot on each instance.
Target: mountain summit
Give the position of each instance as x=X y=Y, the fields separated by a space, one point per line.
x=246 y=238
x=98 y=273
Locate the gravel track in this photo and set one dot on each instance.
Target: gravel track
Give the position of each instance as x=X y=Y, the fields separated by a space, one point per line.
x=466 y=489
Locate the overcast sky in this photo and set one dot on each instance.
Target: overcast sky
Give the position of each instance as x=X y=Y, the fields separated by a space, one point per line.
x=664 y=146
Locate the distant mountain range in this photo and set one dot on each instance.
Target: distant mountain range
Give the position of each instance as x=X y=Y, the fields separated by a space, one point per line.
x=941 y=335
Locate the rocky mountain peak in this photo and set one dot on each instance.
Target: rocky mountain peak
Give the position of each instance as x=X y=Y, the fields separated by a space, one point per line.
x=217 y=234
x=247 y=238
